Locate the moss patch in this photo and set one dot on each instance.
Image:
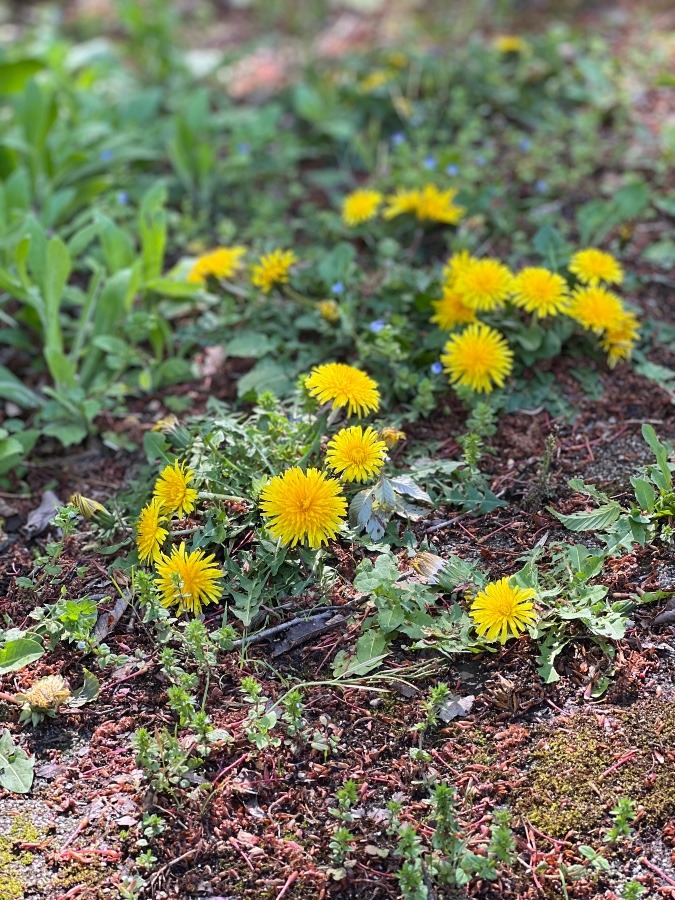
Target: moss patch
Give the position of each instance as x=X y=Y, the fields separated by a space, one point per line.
x=570 y=788
x=22 y=830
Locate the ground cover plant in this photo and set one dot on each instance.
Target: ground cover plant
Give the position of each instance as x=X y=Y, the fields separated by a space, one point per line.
x=336 y=468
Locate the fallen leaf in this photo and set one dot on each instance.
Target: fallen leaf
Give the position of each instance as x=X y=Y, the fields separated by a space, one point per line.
x=38 y=520
x=456 y=708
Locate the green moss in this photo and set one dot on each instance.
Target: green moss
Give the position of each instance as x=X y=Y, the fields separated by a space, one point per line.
x=21 y=831
x=76 y=874
x=567 y=791
x=10 y=887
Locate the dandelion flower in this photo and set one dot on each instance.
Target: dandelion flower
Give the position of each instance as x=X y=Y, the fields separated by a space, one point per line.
x=360 y=206
x=356 y=454
x=303 y=506
x=478 y=358
x=273 y=269
x=434 y=205
x=401 y=202
x=86 y=506
x=451 y=310
x=456 y=266
x=593 y=266
x=173 y=491
x=619 y=340
x=150 y=534
x=596 y=309
x=46 y=694
x=510 y=43
x=345 y=386
x=188 y=580
x=224 y=262
x=374 y=80
x=536 y=290
x=485 y=284
x=391 y=436
x=502 y=610
x=328 y=310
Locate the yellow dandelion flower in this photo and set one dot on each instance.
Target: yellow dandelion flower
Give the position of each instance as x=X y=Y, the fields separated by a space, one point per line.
x=593 y=266
x=329 y=310
x=455 y=266
x=344 y=385
x=391 y=436
x=150 y=534
x=375 y=80
x=360 y=206
x=173 y=491
x=356 y=454
x=485 y=284
x=303 y=506
x=451 y=310
x=46 y=694
x=86 y=506
x=510 y=43
x=536 y=290
x=478 y=358
x=273 y=269
x=188 y=580
x=619 y=340
x=596 y=309
x=502 y=610
x=434 y=205
x=223 y=262
x=400 y=203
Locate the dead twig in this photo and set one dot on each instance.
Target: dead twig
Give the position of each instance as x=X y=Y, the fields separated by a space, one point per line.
x=292 y=878
x=649 y=865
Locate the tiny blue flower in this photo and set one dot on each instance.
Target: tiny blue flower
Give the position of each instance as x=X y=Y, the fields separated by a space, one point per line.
x=436 y=368
x=480 y=161
x=452 y=169
x=398 y=139
x=122 y=198
x=430 y=162
x=541 y=186
x=81 y=645
x=244 y=148
x=105 y=155
x=338 y=288
x=376 y=326
x=525 y=145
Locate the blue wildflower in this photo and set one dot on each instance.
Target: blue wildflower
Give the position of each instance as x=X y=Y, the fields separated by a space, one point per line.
x=376 y=326
x=436 y=368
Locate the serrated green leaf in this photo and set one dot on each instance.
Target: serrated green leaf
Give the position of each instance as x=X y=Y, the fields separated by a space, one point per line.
x=598 y=519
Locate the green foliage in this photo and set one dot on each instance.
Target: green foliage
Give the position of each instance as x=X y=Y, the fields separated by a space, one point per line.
x=16 y=767
x=649 y=519
x=447 y=860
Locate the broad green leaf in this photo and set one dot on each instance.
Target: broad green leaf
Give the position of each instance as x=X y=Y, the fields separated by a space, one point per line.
x=266 y=375
x=19 y=653
x=15 y=75
x=598 y=519
x=16 y=391
x=16 y=769
x=660 y=451
x=644 y=493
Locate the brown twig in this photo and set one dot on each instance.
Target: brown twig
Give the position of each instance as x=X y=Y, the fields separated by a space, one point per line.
x=292 y=878
x=649 y=865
